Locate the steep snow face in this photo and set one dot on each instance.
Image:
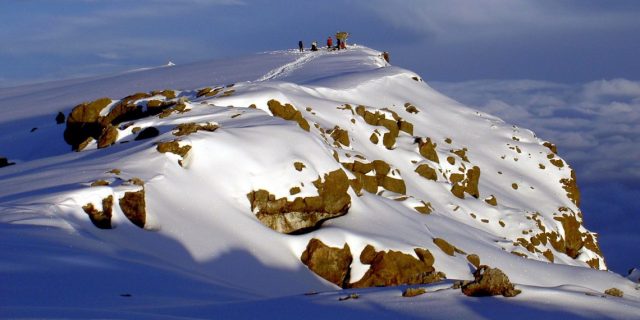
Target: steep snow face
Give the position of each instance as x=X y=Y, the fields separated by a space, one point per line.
x=209 y=185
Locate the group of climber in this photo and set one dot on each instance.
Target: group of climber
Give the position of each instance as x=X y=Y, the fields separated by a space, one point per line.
x=341 y=44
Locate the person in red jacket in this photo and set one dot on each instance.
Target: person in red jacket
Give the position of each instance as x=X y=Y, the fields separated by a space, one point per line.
x=329 y=42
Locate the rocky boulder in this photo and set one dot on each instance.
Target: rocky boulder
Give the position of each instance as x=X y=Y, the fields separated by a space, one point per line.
x=134 y=208
x=489 y=282
x=100 y=219
x=303 y=214
x=332 y=264
x=392 y=268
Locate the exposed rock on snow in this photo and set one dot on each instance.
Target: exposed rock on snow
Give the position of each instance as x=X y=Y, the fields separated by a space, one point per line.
x=134 y=207
x=413 y=292
x=489 y=282
x=184 y=129
x=392 y=268
x=374 y=174
x=303 y=213
x=332 y=264
x=474 y=259
x=83 y=122
x=615 y=292
x=175 y=148
x=101 y=219
x=288 y=112
x=446 y=247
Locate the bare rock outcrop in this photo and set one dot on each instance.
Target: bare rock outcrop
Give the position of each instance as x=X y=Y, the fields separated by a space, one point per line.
x=134 y=208
x=393 y=268
x=489 y=282
x=288 y=112
x=88 y=121
x=303 y=214
x=100 y=219
x=332 y=264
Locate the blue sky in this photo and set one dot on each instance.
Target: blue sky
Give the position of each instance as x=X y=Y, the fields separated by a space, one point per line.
x=583 y=54
x=448 y=40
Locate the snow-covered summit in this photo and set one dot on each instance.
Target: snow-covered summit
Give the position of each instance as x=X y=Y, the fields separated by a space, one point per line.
x=208 y=183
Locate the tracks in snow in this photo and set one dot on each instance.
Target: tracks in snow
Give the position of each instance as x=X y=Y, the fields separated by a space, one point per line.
x=291 y=66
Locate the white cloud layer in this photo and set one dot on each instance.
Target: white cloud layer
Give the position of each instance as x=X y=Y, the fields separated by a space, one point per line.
x=462 y=20
x=596 y=125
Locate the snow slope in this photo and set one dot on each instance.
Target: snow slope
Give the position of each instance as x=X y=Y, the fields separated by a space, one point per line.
x=204 y=252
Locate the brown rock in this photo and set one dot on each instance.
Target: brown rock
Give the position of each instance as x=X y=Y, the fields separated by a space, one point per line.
x=572 y=235
x=134 y=207
x=491 y=200
x=169 y=94
x=184 y=129
x=557 y=162
x=571 y=187
x=446 y=247
x=294 y=190
x=395 y=268
x=99 y=183
x=551 y=147
x=288 y=112
x=332 y=264
x=340 y=136
x=428 y=150
x=462 y=153
x=393 y=185
x=303 y=214
x=83 y=122
x=474 y=259
x=173 y=147
x=615 y=292
x=413 y=292
x=374 y=138
x=427 y=172
x=299 y=165
x=471 y=185
x=549 y=255
x=425 y=208
x=368 y=254
x=100 y=219
x=489 y=282
x=411 y=108
x=108 y=137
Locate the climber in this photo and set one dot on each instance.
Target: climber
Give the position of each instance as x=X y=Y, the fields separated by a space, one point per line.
x=300 y=46
x=329 y=43
x=314 y=46
x=342 y=39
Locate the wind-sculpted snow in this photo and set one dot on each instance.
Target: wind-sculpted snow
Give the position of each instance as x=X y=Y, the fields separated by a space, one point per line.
x=271 y=187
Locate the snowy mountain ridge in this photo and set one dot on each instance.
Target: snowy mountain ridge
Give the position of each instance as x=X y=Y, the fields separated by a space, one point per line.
x=249 y=180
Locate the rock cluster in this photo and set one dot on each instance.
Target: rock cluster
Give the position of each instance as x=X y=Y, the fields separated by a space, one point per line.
x=332 y=264
x=303 y=213
x=392 y=268
x=489 y=282
x=85 y=122
x=386 y=268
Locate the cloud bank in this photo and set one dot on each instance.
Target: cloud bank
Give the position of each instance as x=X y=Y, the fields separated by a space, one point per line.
x=596 y=125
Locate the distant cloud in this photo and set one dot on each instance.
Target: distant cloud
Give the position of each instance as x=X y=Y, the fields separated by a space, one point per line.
x=596 y=125
x=458 y=20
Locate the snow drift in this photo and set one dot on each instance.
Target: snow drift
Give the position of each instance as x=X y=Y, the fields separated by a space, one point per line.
x=241 y=184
